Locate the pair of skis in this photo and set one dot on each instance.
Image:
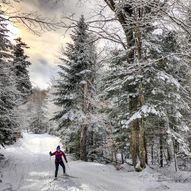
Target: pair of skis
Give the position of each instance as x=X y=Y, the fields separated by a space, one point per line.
x=65 y=176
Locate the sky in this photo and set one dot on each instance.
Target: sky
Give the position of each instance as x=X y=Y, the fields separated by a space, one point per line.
x=44 y=51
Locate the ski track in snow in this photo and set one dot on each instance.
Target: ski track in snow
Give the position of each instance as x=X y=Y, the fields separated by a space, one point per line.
x=29 y=168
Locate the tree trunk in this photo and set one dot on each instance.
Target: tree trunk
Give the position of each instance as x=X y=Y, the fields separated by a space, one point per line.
x=152 y=154
x=122 y=158
x=142 y=152
x=83 y=135
x=138 y=144
x=170 y=146
x=146 y=154
x=134 y=132
x=134 y=142
x=139 y=127
x=175 y=156
x=115 y=156
x=133 y=38
x=161 y=151
x=170 y=149
x=84 y=126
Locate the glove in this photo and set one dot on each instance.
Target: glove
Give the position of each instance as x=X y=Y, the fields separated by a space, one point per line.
x=50 y=153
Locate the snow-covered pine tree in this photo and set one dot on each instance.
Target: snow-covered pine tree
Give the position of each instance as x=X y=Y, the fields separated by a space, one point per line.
x=185 y=46
x=164 y=75
x=20 y=65
x=116 y=94
x=167 y=94
x=8 y=92
x=75 y=87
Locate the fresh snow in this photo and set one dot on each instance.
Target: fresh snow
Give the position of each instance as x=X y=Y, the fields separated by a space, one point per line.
x=169 y=79
x=144 y=110
x=28 y=168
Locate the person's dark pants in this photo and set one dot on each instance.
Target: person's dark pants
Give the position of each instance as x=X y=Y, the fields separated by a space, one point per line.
x=57 y=163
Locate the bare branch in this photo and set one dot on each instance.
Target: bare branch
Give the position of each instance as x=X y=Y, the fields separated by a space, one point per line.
x=180 y=23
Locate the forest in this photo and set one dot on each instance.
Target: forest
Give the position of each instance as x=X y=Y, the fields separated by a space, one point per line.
x=121 y=95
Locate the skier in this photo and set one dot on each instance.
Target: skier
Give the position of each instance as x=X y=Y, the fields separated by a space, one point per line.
x=58 y=159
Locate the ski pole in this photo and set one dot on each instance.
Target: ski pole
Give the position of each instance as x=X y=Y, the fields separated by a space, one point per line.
x=49 y=165
x=68 y=166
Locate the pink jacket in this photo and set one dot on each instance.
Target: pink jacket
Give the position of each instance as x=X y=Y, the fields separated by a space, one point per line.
x=58 y=155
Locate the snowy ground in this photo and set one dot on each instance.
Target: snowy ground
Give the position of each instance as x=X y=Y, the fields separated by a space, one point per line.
x=29 y=168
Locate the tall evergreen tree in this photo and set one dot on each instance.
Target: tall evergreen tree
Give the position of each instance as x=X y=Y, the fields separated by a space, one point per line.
x=169 y=93
x=8 y=92
x=114 y=91
x=75 y=87
x=20 y=65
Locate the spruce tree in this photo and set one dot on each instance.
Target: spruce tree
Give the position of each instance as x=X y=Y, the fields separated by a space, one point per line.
x=8 y=92
x=75 y=87
x=115 y=92
x=20 y=65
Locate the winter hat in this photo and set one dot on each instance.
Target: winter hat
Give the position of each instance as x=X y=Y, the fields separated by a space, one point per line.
x=58 y=147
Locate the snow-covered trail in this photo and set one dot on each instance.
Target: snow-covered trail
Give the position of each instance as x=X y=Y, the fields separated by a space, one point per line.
x=29 y=168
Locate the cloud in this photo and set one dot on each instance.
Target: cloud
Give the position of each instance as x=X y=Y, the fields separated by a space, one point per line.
x=44 y=6
x=44 y=50
x=41 y=72
x=43 y=62
x=60 y=8
x=57 y=7
x=44 y=56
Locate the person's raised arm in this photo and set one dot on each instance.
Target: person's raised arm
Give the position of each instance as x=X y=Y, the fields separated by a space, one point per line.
x=51 y=154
